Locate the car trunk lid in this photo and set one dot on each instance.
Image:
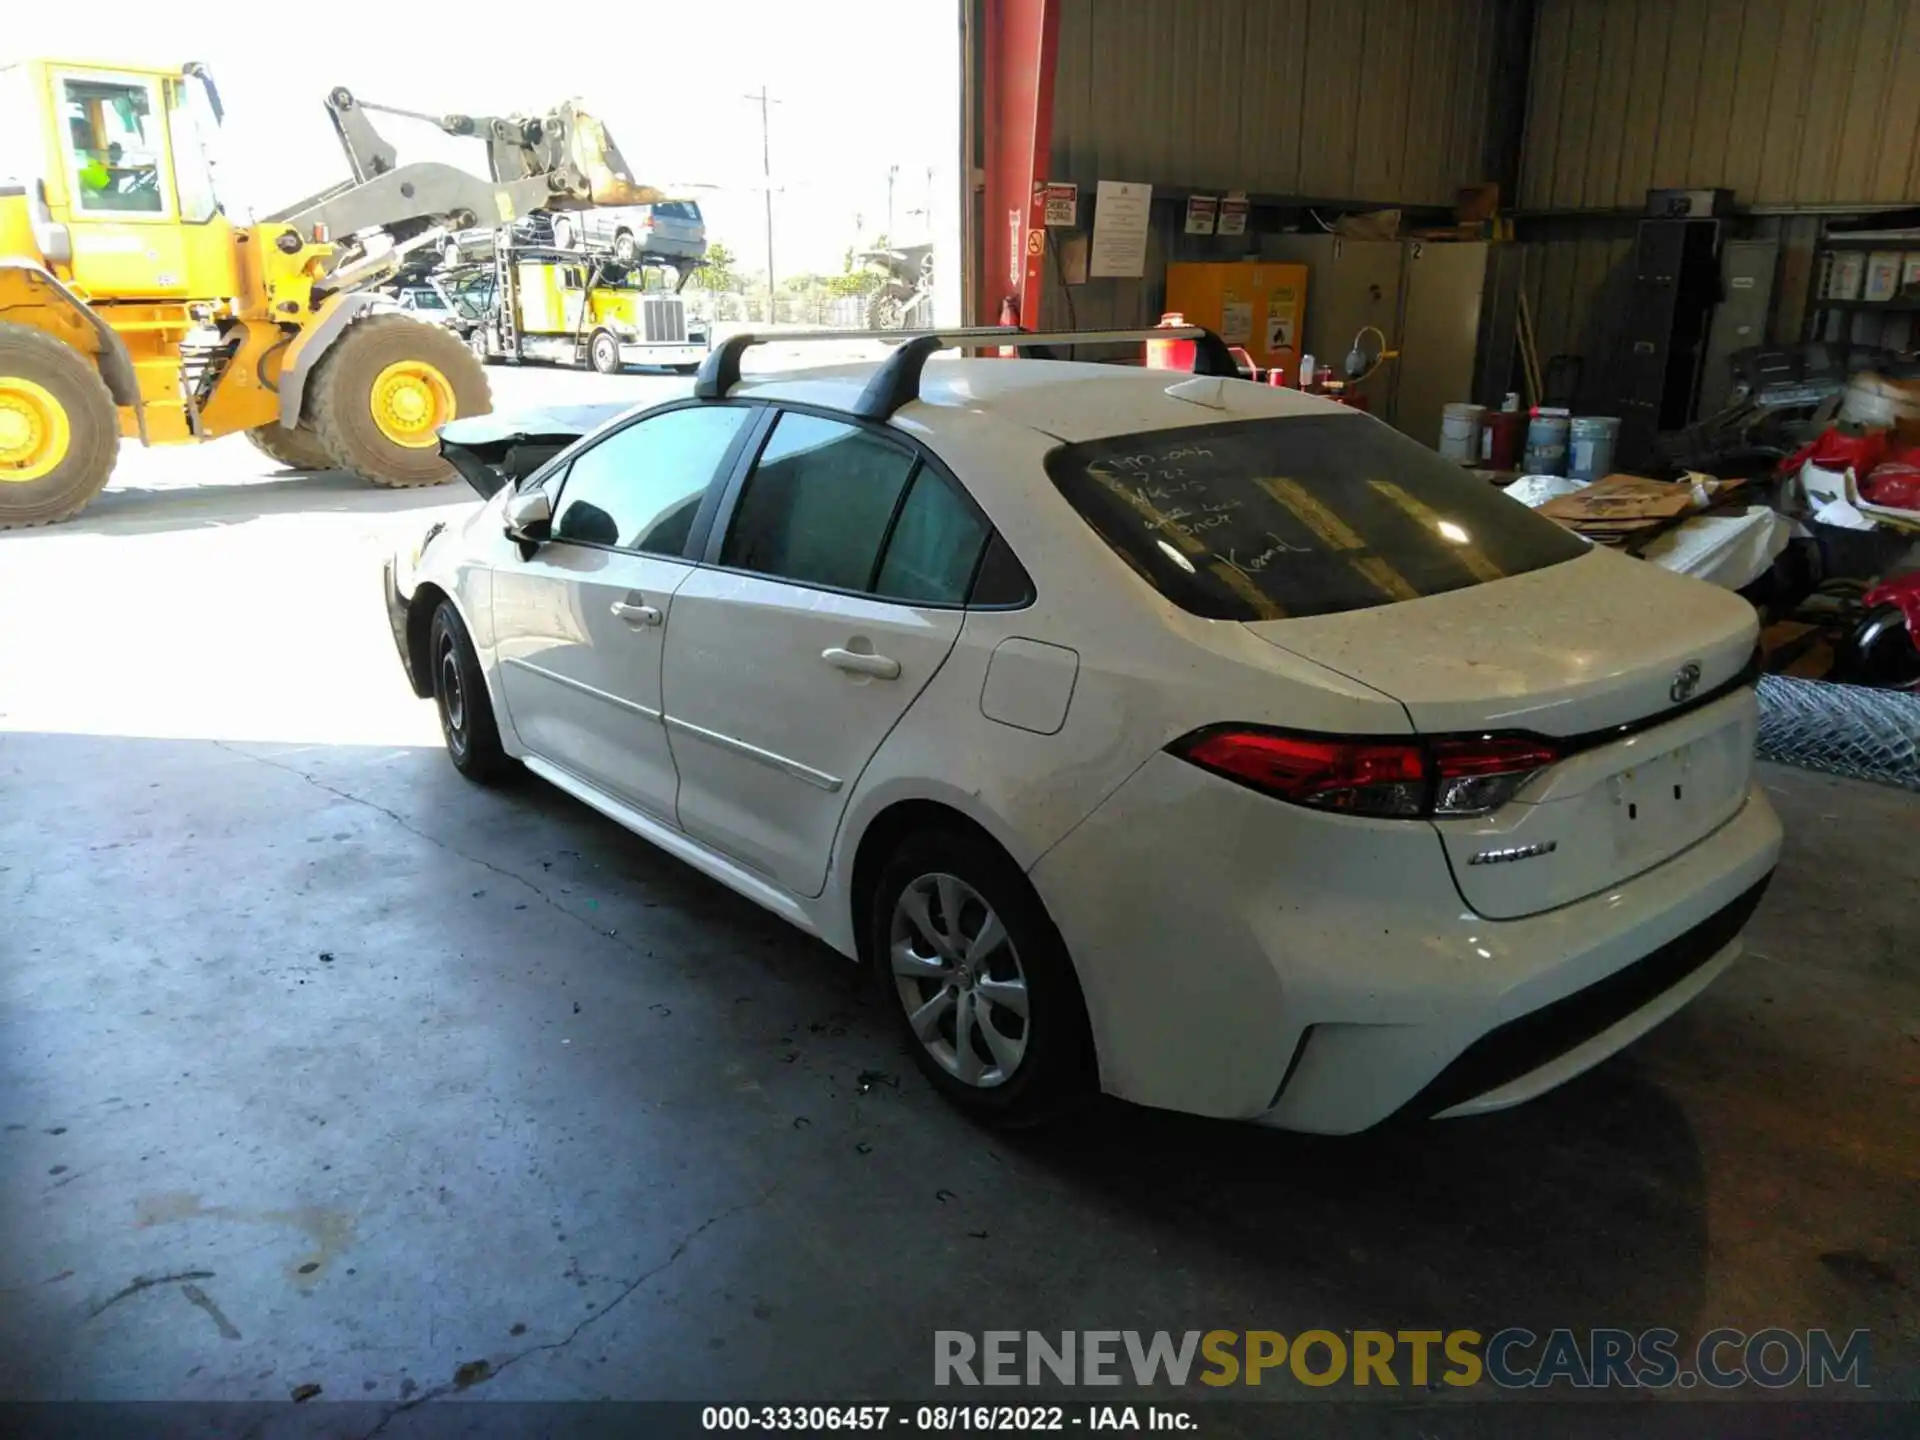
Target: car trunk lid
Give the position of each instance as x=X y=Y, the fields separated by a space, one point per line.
x=1638 y=674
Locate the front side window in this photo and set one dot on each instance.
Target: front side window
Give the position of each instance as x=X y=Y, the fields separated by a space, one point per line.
x=641 y=487
x=817 y=506
x=114 y=140
x=1298 y=515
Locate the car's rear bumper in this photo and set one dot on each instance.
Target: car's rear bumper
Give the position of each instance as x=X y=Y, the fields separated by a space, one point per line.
x=1248 y=959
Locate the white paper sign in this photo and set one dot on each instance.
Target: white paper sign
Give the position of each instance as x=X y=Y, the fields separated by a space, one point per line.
x=1236 y=321
x=1120 y=228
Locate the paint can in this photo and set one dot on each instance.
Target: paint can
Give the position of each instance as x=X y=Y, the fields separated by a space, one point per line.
x=1546 y=446
x=1500 y=436
x=1460 y=432
x=1590 y=440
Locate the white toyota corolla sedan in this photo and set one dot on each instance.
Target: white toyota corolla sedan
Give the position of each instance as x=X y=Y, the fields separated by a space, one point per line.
x=1206 y=744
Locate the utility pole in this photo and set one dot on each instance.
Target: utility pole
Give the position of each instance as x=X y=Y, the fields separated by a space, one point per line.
x=893 y=174
x=766 y=173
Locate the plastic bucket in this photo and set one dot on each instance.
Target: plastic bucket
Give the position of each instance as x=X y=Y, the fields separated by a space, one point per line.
x=1460 y=432
x=1546 y=446
x=1590 y=441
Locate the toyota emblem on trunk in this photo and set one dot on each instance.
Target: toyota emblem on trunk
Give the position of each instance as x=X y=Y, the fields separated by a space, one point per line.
x=1685 y=681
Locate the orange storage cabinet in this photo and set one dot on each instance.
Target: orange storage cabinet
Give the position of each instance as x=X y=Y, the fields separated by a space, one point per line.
x=1255 y=304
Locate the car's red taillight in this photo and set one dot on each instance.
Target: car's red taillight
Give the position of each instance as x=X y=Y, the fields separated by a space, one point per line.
x=1447 y=776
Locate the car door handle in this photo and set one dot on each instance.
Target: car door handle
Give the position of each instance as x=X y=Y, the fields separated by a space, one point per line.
x=636 y=614
x=855 y=663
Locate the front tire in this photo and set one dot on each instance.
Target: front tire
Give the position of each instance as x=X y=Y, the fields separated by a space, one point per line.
x=626 y=249
x=460 y=695
x=381 y=394
x=603 y=353
x=59 y=430
x=965 y=957
x=298 y=449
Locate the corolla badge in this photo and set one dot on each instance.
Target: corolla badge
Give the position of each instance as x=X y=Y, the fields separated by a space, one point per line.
x=1686 y=680
x=1511 y=853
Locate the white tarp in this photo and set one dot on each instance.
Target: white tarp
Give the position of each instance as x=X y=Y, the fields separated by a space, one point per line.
x=1725 y=550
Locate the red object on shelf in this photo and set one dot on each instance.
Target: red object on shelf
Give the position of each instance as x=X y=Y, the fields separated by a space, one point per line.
x=1277 y=375
x=1504 y=430
x=1170 y=354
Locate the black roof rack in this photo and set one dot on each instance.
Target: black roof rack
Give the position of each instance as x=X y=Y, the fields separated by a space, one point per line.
x=897 y=381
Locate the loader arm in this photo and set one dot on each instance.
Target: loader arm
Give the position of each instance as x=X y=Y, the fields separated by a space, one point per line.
x=563 y=160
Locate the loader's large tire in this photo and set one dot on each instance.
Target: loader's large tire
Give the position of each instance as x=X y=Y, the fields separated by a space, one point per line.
x=296 y=449
x=59 y=431
x=379 y=396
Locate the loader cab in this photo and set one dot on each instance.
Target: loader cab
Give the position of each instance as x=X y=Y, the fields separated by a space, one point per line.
x=128 y=175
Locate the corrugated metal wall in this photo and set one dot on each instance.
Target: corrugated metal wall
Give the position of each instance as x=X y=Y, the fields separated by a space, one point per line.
x=1801 y=102
x=1378 y=100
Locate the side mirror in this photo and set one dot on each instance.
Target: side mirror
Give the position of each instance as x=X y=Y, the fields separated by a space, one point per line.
x=529 y=517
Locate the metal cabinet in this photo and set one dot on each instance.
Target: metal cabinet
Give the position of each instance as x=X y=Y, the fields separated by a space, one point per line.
x=1351 y=284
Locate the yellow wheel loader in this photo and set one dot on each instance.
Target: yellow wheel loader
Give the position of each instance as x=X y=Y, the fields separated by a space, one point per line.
x=132 y=306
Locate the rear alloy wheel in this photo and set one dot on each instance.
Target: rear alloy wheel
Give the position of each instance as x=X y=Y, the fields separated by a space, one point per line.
x=380 y=395
x=603 y=352
x=59 y=431
x=967 y=959
x=460 y=695
x=297 y=449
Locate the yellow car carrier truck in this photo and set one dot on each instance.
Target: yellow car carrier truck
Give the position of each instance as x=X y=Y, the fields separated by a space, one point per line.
x=569 y=307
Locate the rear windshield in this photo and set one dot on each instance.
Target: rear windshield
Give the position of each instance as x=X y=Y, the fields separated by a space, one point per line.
x=677 y=210
x=1306 y=515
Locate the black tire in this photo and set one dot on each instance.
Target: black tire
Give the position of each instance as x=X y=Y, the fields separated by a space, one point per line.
x=1055 y=1071
x=340 y=397
x=693 y=369
x=93 y=427
x=298 y=449
x=563 y=234
x=603 y=353
x=477 y=343
x=460 y=695
x=626 y=249
x=885 y=312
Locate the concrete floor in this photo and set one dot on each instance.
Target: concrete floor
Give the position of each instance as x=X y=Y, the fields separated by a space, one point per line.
x=320 y=1066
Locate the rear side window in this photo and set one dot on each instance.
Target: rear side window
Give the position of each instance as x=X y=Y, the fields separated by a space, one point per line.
x=1304 y=515
x=817 y=505
x=935 y=545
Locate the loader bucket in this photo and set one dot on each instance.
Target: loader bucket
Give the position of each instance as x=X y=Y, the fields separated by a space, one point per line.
x=600 y=160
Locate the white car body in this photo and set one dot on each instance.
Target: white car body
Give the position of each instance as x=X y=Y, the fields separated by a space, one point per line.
x=1240 y=956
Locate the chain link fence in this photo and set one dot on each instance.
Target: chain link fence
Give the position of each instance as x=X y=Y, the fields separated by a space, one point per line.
x=1841 y=729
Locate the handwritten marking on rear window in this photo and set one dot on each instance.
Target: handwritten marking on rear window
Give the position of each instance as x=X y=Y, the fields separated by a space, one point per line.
x=1339 y=536
x=1254 y=563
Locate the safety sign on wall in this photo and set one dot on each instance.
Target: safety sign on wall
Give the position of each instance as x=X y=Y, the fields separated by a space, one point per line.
x=1062 y=202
